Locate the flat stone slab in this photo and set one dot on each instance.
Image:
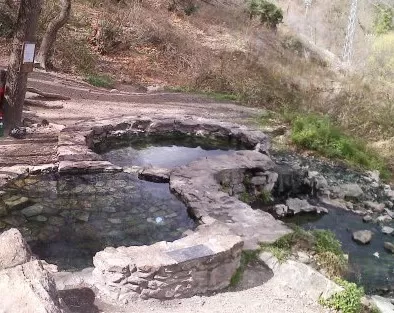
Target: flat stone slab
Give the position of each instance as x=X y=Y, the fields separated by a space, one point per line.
x=190 y=253
x=155 y=174
x=87 y=167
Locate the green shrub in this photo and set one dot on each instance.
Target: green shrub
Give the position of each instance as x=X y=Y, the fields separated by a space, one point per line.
x=103 y=81
x=328 y=250
x=383 y=20
x=325 y=241
x=347 y=301
x=318 y=133
x=269 y=14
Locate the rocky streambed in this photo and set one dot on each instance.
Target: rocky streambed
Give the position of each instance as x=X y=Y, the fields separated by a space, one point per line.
x=357 y=206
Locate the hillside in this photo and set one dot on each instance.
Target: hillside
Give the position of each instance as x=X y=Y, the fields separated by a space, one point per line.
x=215 y=47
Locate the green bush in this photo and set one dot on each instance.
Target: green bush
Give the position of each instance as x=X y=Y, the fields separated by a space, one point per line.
x=103 y=81
x=325 y=241
x=269 y=14
x=383 y=20
x=347 y=301
x=318 y=133
x=328 y=250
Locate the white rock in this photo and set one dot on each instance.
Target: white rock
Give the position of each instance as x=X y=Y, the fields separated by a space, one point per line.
x=28 y=288
x=13 y=249
x=387 y=230
x=362 y=236
x=383 y=304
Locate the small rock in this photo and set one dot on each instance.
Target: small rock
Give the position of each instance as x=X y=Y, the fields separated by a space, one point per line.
x=258 y=180
x=374 y=175
x=270 y=260
x=83 y=216
x=33 y=210
x=384 y=219
x=389 y=213
x=367 y=218
x=297 y=206
x=281 y=210
x=351 y=191
x=389 y=193
x=38 y=218
x=374 y=206
x=387 y=230
x=16 y=202
x=362 y=236
x=303 y=257
x=389 y=246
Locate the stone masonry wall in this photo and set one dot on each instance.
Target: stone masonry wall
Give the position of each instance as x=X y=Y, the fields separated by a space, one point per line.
x=203 y=261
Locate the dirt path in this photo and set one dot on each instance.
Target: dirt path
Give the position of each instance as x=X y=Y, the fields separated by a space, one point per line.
x=89 y=102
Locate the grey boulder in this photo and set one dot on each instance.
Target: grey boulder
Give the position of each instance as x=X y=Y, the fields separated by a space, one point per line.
x=362 y=236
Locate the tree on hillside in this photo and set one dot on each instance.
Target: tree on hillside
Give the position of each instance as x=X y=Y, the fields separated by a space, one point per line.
x=25 y=29
x=49 y=38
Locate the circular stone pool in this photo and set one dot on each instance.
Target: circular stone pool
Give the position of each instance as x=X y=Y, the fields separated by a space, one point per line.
x=163 y=152
x=67 y=219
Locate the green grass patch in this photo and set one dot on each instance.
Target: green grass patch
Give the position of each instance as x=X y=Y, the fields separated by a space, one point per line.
x=347 y=301
x=246 y=258
x=328 y=250
x=318 y=133
x=103 y=81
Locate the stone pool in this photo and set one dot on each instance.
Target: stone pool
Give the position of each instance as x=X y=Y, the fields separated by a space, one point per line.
x=165 y=153
x=67 y=219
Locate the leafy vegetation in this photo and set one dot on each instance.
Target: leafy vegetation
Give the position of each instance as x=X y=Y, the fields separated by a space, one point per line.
x=328 y=250
x=347 y=301
x=269 y=14
x=103 y=81
x=381 y=60
x=383 y=20
x=319 y=133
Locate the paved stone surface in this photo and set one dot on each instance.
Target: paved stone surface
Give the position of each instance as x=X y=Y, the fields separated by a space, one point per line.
x=200 y=185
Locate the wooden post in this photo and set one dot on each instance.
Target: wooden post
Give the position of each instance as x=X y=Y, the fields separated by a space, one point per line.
x=28 y=13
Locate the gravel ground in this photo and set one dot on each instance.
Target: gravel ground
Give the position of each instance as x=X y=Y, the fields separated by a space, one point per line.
x=268 y=298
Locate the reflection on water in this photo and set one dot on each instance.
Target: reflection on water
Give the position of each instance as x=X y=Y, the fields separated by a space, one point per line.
x=159 y=156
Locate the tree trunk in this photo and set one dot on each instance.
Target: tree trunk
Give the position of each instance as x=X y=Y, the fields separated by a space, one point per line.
x=28 y=13
x=51 y=32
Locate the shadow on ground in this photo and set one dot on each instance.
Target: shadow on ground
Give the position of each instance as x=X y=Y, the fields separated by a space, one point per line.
x=79 y=300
